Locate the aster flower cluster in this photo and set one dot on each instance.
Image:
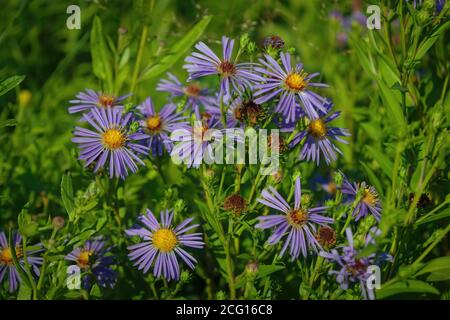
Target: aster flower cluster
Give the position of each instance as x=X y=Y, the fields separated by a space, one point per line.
x=275 y=91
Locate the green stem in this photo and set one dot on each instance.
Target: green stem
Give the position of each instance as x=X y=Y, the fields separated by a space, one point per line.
x=144 y=35
x=435 y=242
x=27 y=267
x=217 y=226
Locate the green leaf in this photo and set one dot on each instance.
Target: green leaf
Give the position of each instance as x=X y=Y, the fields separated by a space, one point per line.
x=10 y=83
x=263 y=271
x=178 y=50
x=8 y=123
x=406 y=286
x=372 y=177
x=100 y=54
x=365 y=59
x=438 y=268
x=433 y=217
x=95 y=291
x=83 y=236
x=383 y=161
x=67 y=195
x=24 y=292
x=391 y=100
x=27 y=227
x=430 y=41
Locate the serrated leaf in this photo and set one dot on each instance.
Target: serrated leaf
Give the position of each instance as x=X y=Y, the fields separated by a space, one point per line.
x=178 y=50
x=10 y=83
x=406 y=286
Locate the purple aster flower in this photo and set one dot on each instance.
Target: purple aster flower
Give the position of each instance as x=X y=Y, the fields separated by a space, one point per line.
x=291 y=84
x=297 y=222
x=90 y=100
x=215 y=112
x=352 y=267
x=200 y=142
x=111 y=142
x=319 y=138
x=195 y=95
x=232 y=74
x=162 y=244
x=159 y=124
x=6 y=259
x=439 y=6
x=95 y=261
x=369 y=201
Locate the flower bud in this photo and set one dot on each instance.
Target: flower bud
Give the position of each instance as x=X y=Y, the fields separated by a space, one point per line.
x=58 y=222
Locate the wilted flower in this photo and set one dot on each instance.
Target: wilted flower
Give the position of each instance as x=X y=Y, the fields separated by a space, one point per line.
x=273 y=41
x=369 y=201
x=162 y=244
x=235 y=203
x=232 y=74
x=291 y=84
x=326 y=237
x=90 y=99
x=319 y=136
x=95 y=262
x=111 y=142
x=158 y=125
x=7 y=266
x=298 y=222
x=195 y=95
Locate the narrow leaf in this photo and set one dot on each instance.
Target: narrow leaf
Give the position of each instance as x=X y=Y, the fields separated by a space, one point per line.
x=178 y=50
x=10 y=83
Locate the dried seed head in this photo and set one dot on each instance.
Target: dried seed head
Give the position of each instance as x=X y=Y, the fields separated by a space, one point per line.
x=273 y=41
x=326 y=237
x=235 y=203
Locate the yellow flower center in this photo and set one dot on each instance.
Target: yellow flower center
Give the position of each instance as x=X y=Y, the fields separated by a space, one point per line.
x=226 y=69
x=192 y=90
x=83 y=259
x=106 y=101
x=113 y=139
x=297 y=217
x=6 y=256
x=370 y=197
x=317 y=128
x=154 y=123
x=296 y=81
x=164 y=240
